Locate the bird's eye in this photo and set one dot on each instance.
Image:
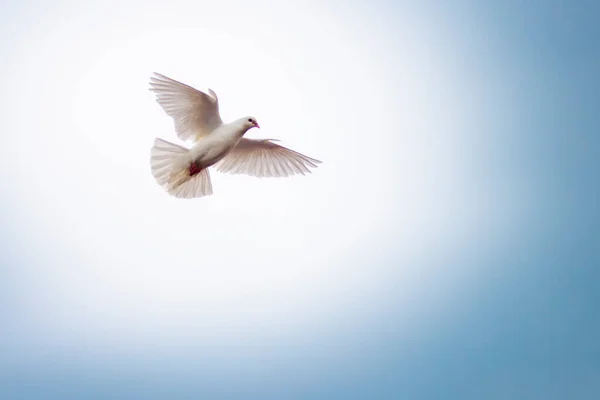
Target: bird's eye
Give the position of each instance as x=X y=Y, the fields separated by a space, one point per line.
x=250 y=120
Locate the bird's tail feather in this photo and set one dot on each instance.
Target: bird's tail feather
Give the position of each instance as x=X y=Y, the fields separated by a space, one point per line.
x=171 y=169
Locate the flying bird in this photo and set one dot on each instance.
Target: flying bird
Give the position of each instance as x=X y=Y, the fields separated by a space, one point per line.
x=183 y=172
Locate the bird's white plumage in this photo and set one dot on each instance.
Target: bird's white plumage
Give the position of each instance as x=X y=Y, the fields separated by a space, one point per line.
x=263 y=158
x=195 y=113
x=184 y=172
x=169 y=165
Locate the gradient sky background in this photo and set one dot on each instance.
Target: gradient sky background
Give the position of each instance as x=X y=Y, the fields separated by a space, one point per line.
x=448 y=247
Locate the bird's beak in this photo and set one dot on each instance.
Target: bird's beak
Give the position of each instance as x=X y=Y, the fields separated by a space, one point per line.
x=257 y=125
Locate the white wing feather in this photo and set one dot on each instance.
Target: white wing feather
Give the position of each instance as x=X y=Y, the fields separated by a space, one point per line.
x=263 y=158
x=195 y=113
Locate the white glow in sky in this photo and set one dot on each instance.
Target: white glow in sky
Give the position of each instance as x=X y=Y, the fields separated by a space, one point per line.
x=116 y=251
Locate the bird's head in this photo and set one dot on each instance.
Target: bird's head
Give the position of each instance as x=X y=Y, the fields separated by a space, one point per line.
x=250 y=122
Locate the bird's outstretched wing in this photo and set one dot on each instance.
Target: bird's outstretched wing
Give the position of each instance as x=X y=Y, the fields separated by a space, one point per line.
x=196 y=114
x=263 y=158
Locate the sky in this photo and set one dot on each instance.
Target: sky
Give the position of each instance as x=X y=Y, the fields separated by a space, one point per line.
x=447 y=247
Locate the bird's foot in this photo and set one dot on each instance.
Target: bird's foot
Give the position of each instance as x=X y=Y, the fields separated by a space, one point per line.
x=194 y=169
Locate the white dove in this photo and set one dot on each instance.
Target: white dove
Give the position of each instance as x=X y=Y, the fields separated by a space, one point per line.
x=184 y=172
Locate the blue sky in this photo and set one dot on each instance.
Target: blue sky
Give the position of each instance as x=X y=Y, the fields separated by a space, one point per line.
x=446 y=248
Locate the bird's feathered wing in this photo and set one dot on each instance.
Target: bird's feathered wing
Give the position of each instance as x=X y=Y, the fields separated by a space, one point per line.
x=195 y=113
x=263 y=158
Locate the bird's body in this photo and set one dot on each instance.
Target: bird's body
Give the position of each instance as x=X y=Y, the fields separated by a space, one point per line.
x=214 y=147
x=183 y=172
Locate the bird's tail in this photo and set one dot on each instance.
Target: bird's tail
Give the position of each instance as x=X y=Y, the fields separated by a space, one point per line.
x=170 y=166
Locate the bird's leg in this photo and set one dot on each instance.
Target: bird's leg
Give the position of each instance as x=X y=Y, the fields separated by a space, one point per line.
x=194 y=169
